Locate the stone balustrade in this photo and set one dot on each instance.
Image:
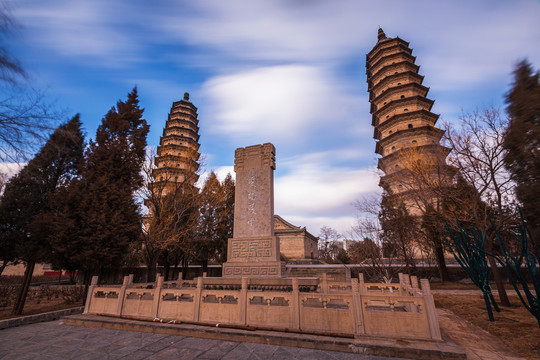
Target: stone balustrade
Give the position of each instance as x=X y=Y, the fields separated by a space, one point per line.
x=352 y=308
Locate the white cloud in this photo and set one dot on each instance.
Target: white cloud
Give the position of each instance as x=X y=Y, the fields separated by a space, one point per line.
x=221 y=173
x=317 y=193
x=268 y=29
x=281 y=102
x=7 y=170
x=343 y=225
x=461 y=43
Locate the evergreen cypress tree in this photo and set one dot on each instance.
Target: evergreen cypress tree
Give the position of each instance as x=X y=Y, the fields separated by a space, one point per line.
x=26 y=199
x=522 y=142
x=100 y=217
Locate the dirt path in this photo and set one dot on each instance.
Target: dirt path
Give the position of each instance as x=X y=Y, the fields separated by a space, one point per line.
x=476 y=342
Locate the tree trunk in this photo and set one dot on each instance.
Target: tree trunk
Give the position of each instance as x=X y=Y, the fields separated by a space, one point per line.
x=72 y=277
x=174 y=274
x=21 y=298
x=498 y=281
x=151 y=271
x=204 y=267
x=441 y=263
x=503 y=297
x=184 y=268
x=4 y=264
x=166 y=269
x=87 y=279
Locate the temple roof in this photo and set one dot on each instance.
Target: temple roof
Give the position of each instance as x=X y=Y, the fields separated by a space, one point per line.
x=282 y=226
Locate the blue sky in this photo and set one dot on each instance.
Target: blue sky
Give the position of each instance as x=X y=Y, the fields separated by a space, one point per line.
x=290 y=72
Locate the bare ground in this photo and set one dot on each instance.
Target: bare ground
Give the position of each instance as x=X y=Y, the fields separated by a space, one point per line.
x=514 y=325
x=35 y=306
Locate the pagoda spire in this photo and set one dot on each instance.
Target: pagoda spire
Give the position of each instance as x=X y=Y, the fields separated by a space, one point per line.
x=381 y=35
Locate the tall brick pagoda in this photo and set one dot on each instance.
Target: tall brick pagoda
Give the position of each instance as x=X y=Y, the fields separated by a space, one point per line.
x=402 y=118
x=178 y=151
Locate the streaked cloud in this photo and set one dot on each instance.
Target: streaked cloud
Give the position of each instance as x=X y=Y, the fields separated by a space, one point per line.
x=290 y=72
x=277 y=104
x=310 y=188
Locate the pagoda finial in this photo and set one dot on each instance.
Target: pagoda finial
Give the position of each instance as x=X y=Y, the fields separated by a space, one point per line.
x=381 y=34
x=186 y=96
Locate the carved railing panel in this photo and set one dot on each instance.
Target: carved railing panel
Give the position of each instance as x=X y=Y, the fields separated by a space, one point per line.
x=177 y=304
x=400 y=316
x=327 y=313
x=220 y=306
x=139 y=303
x=270 y=309
x=104 y=300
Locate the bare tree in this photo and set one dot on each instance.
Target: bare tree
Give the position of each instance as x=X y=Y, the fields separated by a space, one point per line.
x=26 y=119
x=25 y=122
x=328 y=248
x=371 y=250
x=170 y=225
x=478 y=153
x=424 y=181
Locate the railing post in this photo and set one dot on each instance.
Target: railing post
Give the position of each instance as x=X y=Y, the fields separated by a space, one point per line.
x=121 y=295
x=157 y=296
x=431 y=313
x=324 y=283
x=243 y=301
x=90 y=293
x=407 y=282
x=295 y=304
x=347 y=273
x=362 y=284
x=198 y=299
x=359 y=329
x=414 y=283
x=401 y=284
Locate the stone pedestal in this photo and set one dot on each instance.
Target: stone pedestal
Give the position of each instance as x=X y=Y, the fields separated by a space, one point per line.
x=254 y=250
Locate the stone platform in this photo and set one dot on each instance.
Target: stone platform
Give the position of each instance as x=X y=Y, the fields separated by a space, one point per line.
x=372 y=346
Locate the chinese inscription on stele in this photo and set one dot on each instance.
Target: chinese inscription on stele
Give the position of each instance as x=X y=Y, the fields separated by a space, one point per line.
x=254 y=250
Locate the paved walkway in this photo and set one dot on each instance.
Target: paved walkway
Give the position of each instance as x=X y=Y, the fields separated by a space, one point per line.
x=55 y=340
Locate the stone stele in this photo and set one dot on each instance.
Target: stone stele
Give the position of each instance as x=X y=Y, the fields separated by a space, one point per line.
x=254 y=250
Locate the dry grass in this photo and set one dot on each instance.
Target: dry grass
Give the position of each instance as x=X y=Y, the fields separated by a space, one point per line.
x=35 y=306
x=514 y=325
x=452 y=286
x=458 y=286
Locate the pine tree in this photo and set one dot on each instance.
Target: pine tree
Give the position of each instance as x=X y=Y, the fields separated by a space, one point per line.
x=26 y=199
x=522 y=142
x=100 y=217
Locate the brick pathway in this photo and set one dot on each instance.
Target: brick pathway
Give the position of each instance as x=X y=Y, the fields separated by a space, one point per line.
x=55 y=340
